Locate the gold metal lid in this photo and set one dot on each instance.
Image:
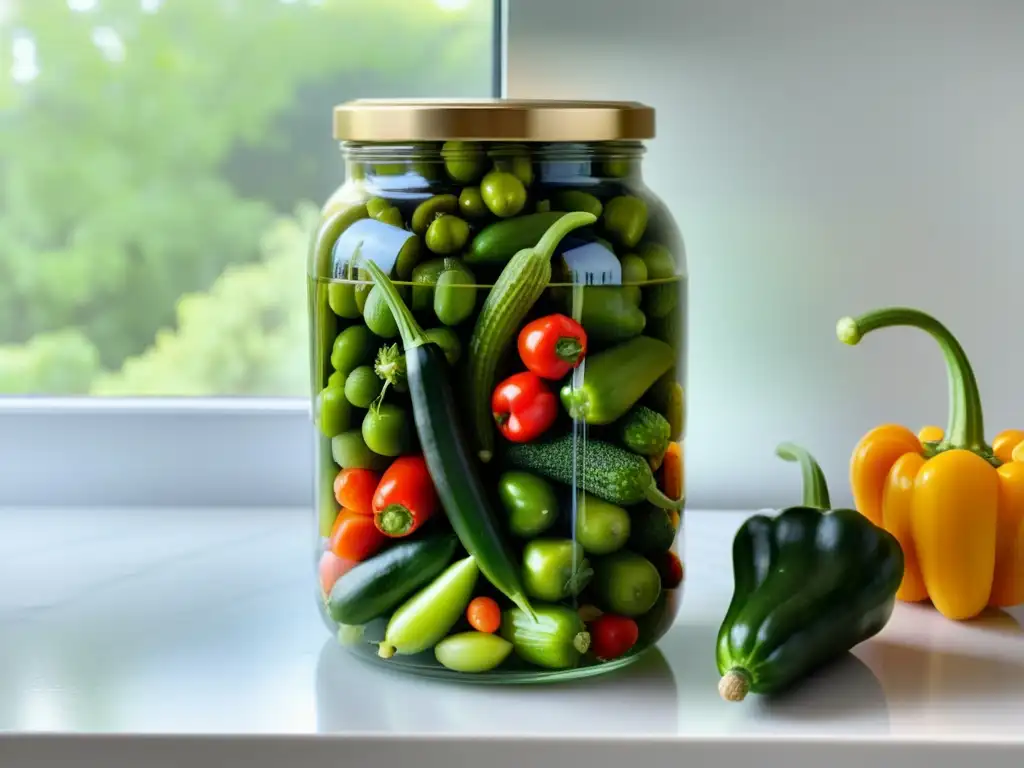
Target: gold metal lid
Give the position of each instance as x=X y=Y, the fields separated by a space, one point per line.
x=492 y=120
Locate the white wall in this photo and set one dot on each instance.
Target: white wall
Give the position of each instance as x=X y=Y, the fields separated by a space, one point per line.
x=823 y=157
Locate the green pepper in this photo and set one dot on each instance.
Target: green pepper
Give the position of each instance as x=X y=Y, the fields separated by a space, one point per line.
x=809 y=584
x=625 y=219
x=608 y=313
x=556 y=638
x=420 y=622
x=529 y=502
x=606 y=394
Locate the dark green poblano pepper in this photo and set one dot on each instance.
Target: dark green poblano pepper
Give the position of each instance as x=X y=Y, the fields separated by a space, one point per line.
x=810 y=583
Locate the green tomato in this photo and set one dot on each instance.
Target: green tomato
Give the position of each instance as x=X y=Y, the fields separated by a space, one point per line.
x=377 y=314
x=430 y=209
x=627 y=583
x=363 y=386
x=529 y=502
x=350 y=451
x=334 y=414
x=601 y=528
x=447 y=234
x=353 y=347
x=336 y=379
x=554 y=569
x=503 y=193
x=472 y=651
x=386 y=430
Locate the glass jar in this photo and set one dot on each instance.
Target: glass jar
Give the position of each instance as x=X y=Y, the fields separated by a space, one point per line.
x=498 y=346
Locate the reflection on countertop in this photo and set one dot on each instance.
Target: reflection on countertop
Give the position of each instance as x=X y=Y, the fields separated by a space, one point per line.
x=203 y=621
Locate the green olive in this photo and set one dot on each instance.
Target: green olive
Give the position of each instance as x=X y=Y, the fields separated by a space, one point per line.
x=463 y=160
x=334 y=414
x=577 y=200
x=430 y=209
x=471 y=204
x=634 y=270
x=455 y=294
x=503 y=193
x=377 y=314
x=424 y=278
x=408 y=258
x=353 y=347
x=389 y=169
x=375 y=206
x=519 y=165
x=362 y=387
x=447 y=234
x=391 y=216
x=341 y=297
x=625 y=218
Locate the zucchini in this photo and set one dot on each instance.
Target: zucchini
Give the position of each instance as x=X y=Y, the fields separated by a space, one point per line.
x=499 y=242
x=606 y=394
x=645 y=431
x=455 y=476
x=516 y=290
x=375 y=586
x=602 y=469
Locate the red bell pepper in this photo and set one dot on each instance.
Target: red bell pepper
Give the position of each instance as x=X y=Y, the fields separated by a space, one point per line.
x=523 y=407
x=406 y=497
x=552 y=346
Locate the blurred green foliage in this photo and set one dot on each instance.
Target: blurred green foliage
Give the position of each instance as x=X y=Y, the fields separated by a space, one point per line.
x=160 y=164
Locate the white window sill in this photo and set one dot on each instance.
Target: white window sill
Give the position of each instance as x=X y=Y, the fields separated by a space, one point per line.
x=155 y=452
x=180 y=637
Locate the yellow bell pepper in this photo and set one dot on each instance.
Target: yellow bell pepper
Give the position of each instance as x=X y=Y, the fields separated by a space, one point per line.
x=954 y=503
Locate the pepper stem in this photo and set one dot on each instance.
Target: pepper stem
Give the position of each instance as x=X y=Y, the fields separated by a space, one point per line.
x=815 y=487
x=568 y=349
x=410 y=331
x=659 y=499
x=395 y=520
x=581 y=642
x=734 y=685
x=966 y=428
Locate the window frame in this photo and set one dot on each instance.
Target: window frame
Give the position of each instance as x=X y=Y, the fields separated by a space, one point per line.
x=168 y=452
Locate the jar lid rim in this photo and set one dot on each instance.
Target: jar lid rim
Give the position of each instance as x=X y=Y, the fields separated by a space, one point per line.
x=550 y=120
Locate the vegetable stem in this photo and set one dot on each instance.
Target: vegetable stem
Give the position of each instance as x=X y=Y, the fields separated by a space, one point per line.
x=659 y=499
x=734 y=685
x=815 y=486
x=966 y=428
x=568 y=348
x=395 y=520
x=410 y=331
x=581 y=642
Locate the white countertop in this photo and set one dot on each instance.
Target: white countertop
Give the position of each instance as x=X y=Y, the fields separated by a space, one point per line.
x=165 y=637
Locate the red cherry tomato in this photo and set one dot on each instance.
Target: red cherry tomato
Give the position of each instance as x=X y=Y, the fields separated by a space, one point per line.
x=552 y=346
x=671 y=570
x=523 y=407
x=612 y=636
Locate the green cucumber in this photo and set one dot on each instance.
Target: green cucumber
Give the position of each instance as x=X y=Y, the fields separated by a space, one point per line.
x=556 y=639
x=644 y=431
x=516 y=290
x=499 y=242
x=606 y=394
x=472 y=651
x=611 y=473
x=375 y=586
x=429 y=615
